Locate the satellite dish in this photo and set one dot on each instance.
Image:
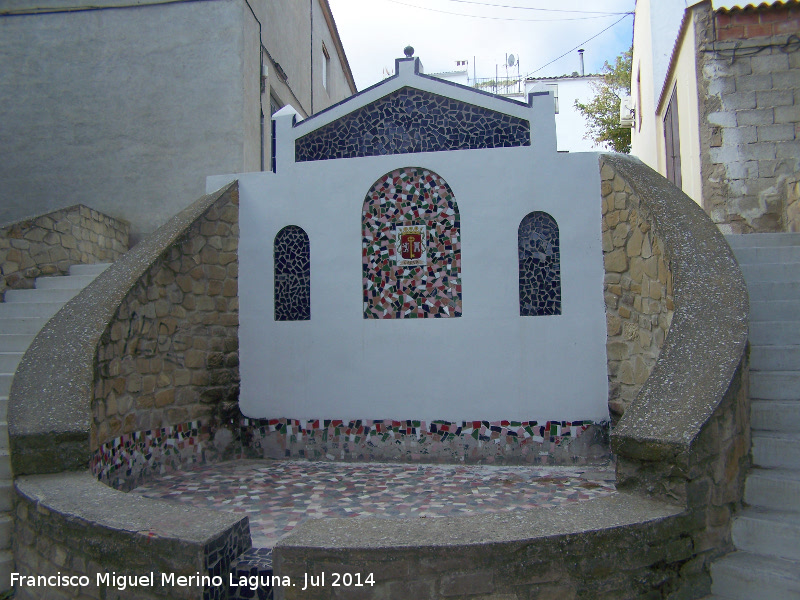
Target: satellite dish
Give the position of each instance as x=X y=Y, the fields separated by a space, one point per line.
x=511 y=60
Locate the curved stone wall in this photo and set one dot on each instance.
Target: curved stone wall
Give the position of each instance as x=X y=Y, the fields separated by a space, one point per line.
x=638 y=290
x=87 y=377
x=167 y=364
x=681 y=442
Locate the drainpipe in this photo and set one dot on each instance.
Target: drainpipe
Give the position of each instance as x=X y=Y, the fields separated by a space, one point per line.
x=580 y=53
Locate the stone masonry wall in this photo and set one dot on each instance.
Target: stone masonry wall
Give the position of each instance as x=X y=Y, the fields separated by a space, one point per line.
x=167 y=368
x=749 y=83
x=638 y=291
x=49 y=244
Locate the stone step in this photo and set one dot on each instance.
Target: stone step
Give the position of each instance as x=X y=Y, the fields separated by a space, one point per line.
x=775 y=271
x=12 y=310
x=5 y=466
x=757 y=255
x=6 y=497
x=774 y=415
x=775 y=385
x=40 y=296
x=768 y=533
x=775 y=358
x=6 y=568
x=9 y=361
x=744 y=576
x=775 y=310
x=774 y=290
x=776 y=450
x=88 y=269
x=6 y=526
x=72 y=282
x=27 y=325
x=762 y=239
x=773 y=489
x=769 y=333
x=16 y=342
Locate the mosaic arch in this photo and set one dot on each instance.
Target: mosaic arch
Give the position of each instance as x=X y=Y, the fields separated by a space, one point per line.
x=411 y=120
x=539 y=266
x=292 y=259
x=411 y=247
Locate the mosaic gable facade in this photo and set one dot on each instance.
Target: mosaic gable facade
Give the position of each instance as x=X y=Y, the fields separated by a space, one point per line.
x=411 y=247
x=412 y=120
x=405 y=228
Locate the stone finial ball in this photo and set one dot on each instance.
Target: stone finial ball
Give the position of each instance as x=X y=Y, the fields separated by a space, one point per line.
x=409 y=51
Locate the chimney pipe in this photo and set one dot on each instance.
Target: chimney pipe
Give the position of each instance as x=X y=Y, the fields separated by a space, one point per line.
x=580 y=53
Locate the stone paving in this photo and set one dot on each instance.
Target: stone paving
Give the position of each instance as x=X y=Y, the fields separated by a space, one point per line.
x=278 y=495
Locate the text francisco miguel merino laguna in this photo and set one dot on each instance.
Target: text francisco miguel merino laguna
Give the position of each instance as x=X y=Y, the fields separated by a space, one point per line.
x=254 y=582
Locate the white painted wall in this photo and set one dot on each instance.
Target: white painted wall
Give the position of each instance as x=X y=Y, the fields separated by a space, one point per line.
x=488 y=364
x=571 y=127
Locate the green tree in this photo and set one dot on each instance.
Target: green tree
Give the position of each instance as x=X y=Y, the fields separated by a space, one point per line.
x=602 y=113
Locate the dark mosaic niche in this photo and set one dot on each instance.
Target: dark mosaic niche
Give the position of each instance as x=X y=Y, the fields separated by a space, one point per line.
x=539 y=266
x=292 y=256
x=411 y=120
x=411 y=197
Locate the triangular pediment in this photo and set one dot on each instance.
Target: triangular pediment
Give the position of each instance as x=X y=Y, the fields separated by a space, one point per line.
x=411 y=120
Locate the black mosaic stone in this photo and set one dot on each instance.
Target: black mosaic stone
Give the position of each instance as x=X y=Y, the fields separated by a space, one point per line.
x=255 y=562
x=411 y=120
x=292 y=275
x=539 y=266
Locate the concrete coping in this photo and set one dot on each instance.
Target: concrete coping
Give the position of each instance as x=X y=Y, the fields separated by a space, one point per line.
x=609 y=512
x=708 y=336
x=175 y=536
x=70 y=208
x=49 y=404
x=80 y=496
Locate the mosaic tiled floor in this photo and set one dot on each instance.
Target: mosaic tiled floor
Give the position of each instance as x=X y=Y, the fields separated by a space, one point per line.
x=277 y=495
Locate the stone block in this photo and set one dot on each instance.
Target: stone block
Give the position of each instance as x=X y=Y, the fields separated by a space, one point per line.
x=770 y=63
x=760 y=116
x=755 y=82
x=776 y=133
x=739 y=101
x=616 y=261
x=773 y=98
x=787 y=114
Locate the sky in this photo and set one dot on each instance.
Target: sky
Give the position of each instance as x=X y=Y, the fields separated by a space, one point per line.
x=375 y=32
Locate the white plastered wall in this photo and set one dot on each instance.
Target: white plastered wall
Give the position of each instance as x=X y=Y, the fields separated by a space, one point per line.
x=488 y=364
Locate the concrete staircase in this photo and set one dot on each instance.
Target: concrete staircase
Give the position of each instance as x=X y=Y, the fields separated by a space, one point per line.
x=766 y=564
x=22 y=316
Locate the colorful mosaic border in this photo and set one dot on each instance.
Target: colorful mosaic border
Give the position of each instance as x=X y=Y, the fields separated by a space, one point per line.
x=504 y=442
x=129 y=460
x=409 y=121
x=126 y=461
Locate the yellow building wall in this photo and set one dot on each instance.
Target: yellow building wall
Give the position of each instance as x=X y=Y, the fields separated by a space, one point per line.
x=644 y=136
x=683 y=78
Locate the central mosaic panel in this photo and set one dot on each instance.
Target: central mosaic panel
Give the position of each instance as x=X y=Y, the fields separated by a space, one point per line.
x=411 y=247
